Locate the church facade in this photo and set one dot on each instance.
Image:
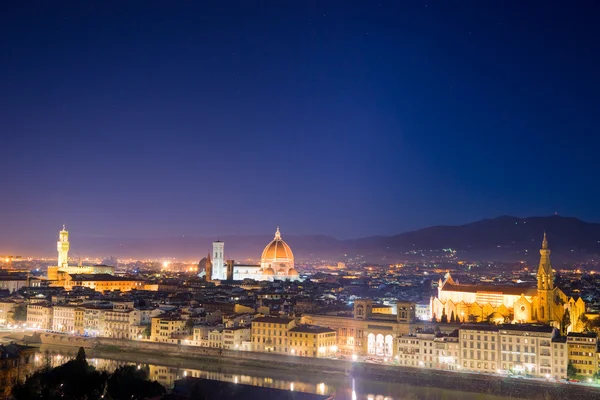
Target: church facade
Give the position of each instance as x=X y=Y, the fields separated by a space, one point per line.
x=545 y=303
x=276 y=263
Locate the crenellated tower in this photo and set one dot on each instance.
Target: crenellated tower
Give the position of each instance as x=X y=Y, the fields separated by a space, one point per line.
x=63 y=248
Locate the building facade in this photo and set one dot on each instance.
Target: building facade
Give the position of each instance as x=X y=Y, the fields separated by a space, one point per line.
x=582 y=348
x=270 y=334
x=39 y=316
x=544 y=303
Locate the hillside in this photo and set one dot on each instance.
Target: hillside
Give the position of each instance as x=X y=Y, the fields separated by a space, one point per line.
x=503 y=238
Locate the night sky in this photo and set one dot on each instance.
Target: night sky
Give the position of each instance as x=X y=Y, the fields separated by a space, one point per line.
x=153 y=118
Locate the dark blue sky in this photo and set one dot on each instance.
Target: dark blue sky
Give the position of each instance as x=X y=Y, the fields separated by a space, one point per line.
x=147 y=118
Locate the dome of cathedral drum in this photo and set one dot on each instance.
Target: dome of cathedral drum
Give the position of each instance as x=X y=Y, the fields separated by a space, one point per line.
x=277 y=259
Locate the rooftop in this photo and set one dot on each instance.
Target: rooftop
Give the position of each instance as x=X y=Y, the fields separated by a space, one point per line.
x=312 y=329
x=274 y=320
x=582 y=335
x=101 y=277
x=511 y=290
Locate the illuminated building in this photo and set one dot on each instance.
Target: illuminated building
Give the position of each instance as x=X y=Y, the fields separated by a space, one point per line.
x=218 y=261
x=277 y=260
x=369 y=333
x=163 y=328
x=63 y=318
x=544 y=303
x=312 y=341
x=58 y=274
x=103 y=282
x=116 y=321
x=429 y=350
x=236 y=338
x=92 y=317
x=513 y=348
x=7 y=311
x=276 y=263
x=582 y=353
x=282 y=335
x=270 y=334
x=215 y=338
x=63 y=248
x=39 y=316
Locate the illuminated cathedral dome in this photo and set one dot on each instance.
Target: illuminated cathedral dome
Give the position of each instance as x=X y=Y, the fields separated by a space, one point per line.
x=278 y=256
x=292 y=272
x=277 y=250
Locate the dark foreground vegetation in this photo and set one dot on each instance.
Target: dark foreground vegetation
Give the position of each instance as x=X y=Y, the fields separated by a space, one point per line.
x=77 y=380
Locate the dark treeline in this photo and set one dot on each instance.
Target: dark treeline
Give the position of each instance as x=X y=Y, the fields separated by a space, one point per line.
x=77 y=380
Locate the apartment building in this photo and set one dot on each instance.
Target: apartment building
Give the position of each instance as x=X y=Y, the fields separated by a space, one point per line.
x=215 y=338
x=528 y=349
x=270 y=334
x=522 y=349
x=429 y=350
x=311 y=341
x=63 y=318
x=39 y=316
x=560 y=357
x=164 y=327
x=582 y=348
x=93 y=320
x=6 y=311
x=479 y=348
x=234 y=338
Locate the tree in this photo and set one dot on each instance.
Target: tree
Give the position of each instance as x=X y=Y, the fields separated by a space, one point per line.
x=189 y=325
x=81 y=356
x=74 y=379
x=129 y=382
x=587 y=325
x=147 y=331
x=452 y=317
x=571 y=370
x=20 y=312
x=566 y=321
x=509 y=318
x=472 y=318
x=444 y=319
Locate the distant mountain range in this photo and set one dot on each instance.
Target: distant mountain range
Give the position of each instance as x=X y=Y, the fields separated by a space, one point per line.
x=499 y=239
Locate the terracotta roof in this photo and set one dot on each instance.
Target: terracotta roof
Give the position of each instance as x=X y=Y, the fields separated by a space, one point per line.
x=312 y=329
x=512 y=290
x=101 y=277
x=273 y=320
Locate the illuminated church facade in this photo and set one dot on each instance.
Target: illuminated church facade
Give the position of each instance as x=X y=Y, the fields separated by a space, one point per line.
x=276 y=263
x=544 y=303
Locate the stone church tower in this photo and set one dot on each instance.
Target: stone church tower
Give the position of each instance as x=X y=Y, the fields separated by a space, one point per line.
x=545 y=284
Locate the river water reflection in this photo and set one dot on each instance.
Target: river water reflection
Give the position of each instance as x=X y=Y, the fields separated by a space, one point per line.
x=341 y=388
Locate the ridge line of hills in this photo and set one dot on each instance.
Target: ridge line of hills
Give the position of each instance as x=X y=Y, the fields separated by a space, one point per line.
x=504 y=238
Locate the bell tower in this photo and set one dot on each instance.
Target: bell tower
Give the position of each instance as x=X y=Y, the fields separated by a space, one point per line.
x=218 y=261
x=545 y=283
x=63 y=248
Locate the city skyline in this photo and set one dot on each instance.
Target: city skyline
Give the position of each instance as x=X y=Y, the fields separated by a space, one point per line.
x=501 y=239
x=345 y=121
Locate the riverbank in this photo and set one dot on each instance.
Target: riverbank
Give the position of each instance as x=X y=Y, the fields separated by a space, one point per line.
x=287 y=366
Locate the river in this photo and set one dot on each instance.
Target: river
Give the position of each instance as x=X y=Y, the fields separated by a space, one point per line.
x=340 y=387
